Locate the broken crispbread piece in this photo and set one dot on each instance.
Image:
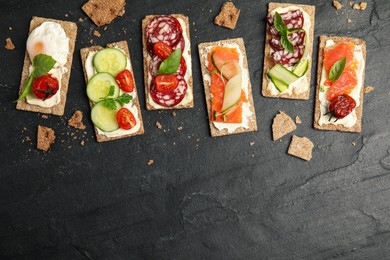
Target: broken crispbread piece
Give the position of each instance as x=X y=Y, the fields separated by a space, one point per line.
x=300 y=89
x=70 y=29
x=45 y=138
x=321 y=110
x=301 y=147
x=122 y=45
x=249 y=116
x=228 y=16
x=76 y=120
x=9 y=45
x=282 y=125
x=104 y=12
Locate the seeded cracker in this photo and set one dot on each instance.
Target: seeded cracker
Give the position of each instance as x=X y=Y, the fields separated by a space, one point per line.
x=45 y=138
x=228 y=16
x=282 y=125
x=301 y=147
x=104 y=12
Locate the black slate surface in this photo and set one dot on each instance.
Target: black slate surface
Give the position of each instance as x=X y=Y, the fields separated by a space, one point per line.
x=203 y=198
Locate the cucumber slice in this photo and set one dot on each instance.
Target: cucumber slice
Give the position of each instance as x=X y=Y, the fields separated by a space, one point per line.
x=99 y=85
x=232 y=92
x=281 y=86
x=227 y=67
x=301 y=68
x=278 y=72
x=110 y=60
x=105 y=118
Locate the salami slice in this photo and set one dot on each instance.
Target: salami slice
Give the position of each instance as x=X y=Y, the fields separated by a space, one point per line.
x=292 y=19
x=165 y=28
x=155 y=62
x=296 y=38
x=287 y=58
x=169 y=99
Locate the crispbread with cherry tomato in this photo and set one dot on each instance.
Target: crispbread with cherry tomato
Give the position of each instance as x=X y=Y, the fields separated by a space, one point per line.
x=70 y=29
x=345 y=103
x=162 y=35
x=128 y=122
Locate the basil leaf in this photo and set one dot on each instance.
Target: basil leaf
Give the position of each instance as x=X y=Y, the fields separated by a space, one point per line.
x=171 y=64
x=279 y=24
x=42 y=64
x=287 y=45
x=337 y=69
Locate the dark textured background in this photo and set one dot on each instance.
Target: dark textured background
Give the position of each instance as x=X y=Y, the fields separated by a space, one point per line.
x=203 y=198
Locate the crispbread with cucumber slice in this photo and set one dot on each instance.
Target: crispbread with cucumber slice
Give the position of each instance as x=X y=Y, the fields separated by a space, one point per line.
x=269 y=63
x=70 y=29
x=357 y=128
x=203 y=52
x=84 y=55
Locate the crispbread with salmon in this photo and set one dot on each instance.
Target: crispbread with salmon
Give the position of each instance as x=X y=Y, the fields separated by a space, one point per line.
x=124 y=47
x=269 y=63
x=70 y=29
x=359 y=109
x=147 y=58
x=203 y=55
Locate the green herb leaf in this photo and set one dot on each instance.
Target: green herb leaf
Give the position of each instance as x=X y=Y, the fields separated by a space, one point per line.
x=282 y=29
x=124 y=99
x=287 y=45
x=110 y=103
x=42 y=64
x=279 y=24
x=112 y=91
x=323 y=88
x=213 y=72
x=337 y=69
x=171 y=64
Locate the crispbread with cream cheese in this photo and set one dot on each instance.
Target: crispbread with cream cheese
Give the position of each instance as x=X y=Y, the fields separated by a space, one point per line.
x=252 y=125
x=70 y=29
x=123 y=46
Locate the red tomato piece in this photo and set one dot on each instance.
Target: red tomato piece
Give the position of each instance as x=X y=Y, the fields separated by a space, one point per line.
x=341 y=106
x=125 y=80
x=45 y=86
x=162 y=50
x=166 y=83
x=125 y=119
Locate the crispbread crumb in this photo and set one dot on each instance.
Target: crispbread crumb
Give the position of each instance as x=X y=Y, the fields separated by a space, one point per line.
x=173 y=113
x=76 y=120
x=82 y=142
x=363 y=6
x=105 y=28
x=301 y=147
x=158 y=125
x=251 y=143
x=179 y=128
x=298 y=120
x=45 y=116
x=228 y=16
x=368 y=89
x=96 y=33
x=356 y=6
x=9 y=44
x=353 y=143
x=282 y=125
x=349 y=20
x=150 y=162
x=45 y=137
x=91 y=41
x=104 y=12
x=81 y=20
x=337 y=5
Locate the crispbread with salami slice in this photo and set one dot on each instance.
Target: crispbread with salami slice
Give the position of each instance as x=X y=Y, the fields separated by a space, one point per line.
x=188 y=101
x=124 y=47
x=70 y=29
x=269 y=63
x=203 y=52
x=359 y=109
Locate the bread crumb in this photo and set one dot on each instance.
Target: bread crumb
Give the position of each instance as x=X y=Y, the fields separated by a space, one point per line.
x=45 y=138
x=45 y=116
x=349 y=20
x=76 y=120
x=82 y=142
x=282 y=125
x=353 y=143
x=228 y=16
x=9 y=44
x=368 y=89
x=81 y=20
x=362 y=6
x=251 y=143
x=179 y=128
x=105 y=28
x=150 y=162
x=10 y=28
x=91 y=41
x=301 y=147
x=337 y=5
x=96 y=33
x=158 y=125
x=104 y=12
x=298 y=120
x=173 y=113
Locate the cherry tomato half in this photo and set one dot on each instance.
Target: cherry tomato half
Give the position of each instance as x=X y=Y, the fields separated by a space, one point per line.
x=342 y=105
x=125 y=119
x=162 y=50
x=166 y=83
x=45 y=86
x=125 y=80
